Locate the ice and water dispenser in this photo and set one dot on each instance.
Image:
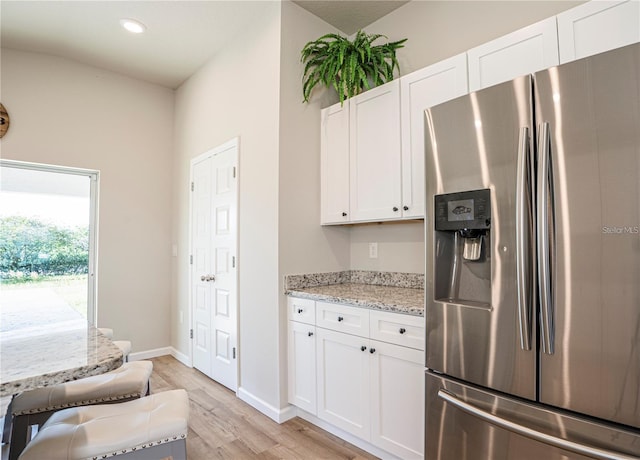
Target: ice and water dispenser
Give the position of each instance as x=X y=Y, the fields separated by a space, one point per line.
x=463 y=248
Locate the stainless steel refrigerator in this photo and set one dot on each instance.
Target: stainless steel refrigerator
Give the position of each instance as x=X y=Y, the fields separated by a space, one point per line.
x=533 y=266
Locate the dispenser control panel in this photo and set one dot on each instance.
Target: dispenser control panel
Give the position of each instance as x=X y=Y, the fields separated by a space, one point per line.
x=463 y=210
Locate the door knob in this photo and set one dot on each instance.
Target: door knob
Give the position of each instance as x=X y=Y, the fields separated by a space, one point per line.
x=363 y=348
x=372 y=350
x=402 y=330
x=340 y=318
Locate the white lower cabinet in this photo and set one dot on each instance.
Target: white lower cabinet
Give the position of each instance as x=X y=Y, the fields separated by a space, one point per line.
x=343 y=366
x=397 y=399
x=367 y=387
x=302 y=366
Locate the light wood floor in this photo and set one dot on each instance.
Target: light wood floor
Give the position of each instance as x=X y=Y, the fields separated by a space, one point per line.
x=221 y=426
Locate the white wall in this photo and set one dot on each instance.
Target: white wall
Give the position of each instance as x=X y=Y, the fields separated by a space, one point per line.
x=400 y=247
x=237 y=94
x=69 y=114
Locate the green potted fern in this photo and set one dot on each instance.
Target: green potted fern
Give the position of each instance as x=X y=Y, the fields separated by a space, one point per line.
x=350 y=67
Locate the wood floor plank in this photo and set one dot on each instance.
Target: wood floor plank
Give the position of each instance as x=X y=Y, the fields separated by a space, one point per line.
x=221 y=426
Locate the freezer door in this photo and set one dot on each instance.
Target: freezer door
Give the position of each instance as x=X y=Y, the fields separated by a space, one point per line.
x=479 y=312
x=591 y=325
x=468 y=423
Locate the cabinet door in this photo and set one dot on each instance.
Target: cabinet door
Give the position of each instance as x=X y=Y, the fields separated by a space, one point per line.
x=334 y=160
x=595 y=27
x=519 y=53
x=343 y=381
x=397 y=394
x=418 y=91
x=302 y=366
x=375 y=173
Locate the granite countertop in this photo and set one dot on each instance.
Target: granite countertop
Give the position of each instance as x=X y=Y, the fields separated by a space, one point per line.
x=394 y=292
x=37 y=351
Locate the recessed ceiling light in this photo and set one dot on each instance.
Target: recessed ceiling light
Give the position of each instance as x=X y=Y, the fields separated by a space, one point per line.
x=133 y=26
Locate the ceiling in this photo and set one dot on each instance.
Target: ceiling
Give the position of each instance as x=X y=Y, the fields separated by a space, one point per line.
x=171 y=50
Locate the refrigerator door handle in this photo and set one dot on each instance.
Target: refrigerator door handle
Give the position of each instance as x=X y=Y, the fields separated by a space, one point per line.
x=524 y=232
x=544 y=202
x=530 y=433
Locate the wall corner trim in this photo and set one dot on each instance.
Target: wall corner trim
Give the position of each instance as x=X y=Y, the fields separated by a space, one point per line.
x=278 y=415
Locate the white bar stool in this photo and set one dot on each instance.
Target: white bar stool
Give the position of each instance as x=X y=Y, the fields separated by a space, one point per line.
x=34 y=407
x=124 y=345
x=149 y=428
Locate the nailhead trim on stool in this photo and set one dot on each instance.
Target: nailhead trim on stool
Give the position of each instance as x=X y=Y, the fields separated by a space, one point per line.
x=34 y=407
x=142 y=446
x=152 y=427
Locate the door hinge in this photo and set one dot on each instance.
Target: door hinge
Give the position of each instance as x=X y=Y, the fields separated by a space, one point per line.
x=190 y=333
x=234 y=352
x=233 y=261
x=193 y=186
x=191 y=259
x=234 y=172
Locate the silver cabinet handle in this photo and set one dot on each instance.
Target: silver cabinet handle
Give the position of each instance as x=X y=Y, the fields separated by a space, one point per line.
x=555 y=441
x=207 y=278
x=544 y=203
x=524 y=231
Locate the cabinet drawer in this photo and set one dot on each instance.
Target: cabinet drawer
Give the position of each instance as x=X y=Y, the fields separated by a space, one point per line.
x=341 y=318
x=405 y=330
x=302 y=310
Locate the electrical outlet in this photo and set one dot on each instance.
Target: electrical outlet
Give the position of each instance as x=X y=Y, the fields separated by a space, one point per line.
x=373 y=250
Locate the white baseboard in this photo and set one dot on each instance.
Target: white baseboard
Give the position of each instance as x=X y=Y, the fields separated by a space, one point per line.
x=362 y=444
x=140 y=355
x=184 y=359
x=278 y=415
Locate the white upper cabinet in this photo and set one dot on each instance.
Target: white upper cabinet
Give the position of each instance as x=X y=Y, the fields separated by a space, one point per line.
x=598 y=26
x=525 y=51
x=420 y=90
x=374 y=169
x=334 y=152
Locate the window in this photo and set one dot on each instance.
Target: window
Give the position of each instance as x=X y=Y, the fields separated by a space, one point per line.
x=48 y=235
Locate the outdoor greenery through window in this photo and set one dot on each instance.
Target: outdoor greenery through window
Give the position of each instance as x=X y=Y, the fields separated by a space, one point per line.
x=45 y=242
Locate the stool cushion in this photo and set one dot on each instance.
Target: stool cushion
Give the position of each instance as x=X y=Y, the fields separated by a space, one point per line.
x=93 y=432
x=128 y=381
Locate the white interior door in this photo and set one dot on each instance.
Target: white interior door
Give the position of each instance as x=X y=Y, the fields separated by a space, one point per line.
x=214 y=269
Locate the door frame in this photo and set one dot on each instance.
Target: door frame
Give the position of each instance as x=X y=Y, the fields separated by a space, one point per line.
x=94 y=188
x=234 y=142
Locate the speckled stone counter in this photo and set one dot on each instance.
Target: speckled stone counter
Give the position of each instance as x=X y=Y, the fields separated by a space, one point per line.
x=395 y=292
x=33 y=357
